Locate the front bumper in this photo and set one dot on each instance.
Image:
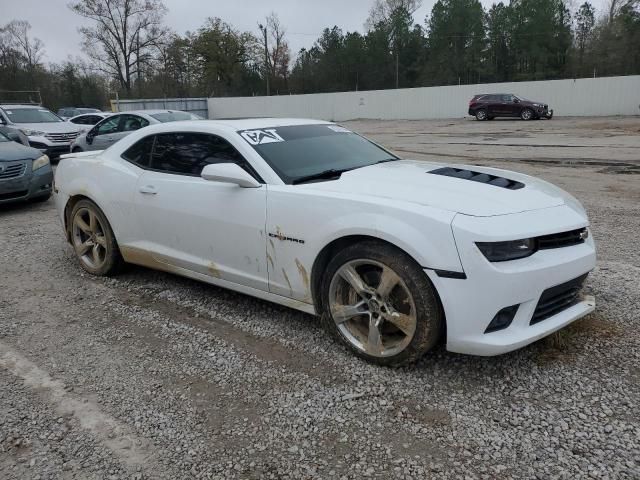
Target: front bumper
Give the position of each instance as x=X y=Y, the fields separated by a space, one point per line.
x=52 y=148
x=472 y=303
x=28 y=186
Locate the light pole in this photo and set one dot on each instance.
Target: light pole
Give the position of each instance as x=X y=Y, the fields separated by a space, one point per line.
x=263 y=29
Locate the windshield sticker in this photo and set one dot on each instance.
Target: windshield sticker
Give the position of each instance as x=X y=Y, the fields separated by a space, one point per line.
x=338 y=128
x=9 y=112
x=260 y=137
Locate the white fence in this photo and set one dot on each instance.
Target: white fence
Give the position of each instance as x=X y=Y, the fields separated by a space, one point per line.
x=193 y=105
x=580 y=97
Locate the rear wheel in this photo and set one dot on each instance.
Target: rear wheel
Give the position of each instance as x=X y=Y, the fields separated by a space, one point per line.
x=481 y=114
x=380 y=304
x=93 y=240
x=526 y=114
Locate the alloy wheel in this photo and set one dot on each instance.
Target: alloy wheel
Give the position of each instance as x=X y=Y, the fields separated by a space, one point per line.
x=89 y=240
x=372 y=307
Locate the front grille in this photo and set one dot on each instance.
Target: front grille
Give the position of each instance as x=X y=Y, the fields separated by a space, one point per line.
x=562 y=239
x=9 y=196
x=556 y=299
x=12 y=171
x=62 y=137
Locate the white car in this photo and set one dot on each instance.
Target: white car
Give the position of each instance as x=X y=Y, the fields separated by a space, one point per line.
x=45 y=130
x=393 y=254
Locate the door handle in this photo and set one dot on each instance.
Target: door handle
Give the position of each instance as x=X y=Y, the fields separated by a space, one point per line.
x=148 y=190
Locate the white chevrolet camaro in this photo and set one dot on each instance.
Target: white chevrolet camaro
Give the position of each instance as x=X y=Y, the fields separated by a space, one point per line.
x=393 y=254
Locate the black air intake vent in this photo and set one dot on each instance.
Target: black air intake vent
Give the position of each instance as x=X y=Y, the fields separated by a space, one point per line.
x=478 y=177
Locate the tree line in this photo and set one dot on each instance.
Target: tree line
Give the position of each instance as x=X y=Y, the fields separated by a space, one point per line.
x=130 y=51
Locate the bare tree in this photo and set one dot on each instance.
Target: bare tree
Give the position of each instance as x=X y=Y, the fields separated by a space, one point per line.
x=278 y=52
x=615 y=6
x=382 y=10
x=15 y=37
x=124 y=35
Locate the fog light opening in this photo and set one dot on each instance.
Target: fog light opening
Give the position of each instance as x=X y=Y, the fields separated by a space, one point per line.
x=502 y=319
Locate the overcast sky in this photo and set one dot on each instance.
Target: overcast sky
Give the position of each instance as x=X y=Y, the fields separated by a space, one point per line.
x=304 y=20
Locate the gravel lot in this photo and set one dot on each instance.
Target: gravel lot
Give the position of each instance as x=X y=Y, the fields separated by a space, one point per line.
x=148 y=375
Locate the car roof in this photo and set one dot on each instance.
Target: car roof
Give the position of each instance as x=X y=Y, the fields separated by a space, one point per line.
x=151 y=112
x=19 y=105
x=91 y=114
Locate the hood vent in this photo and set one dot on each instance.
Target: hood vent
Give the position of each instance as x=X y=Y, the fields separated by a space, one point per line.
x=478 y=177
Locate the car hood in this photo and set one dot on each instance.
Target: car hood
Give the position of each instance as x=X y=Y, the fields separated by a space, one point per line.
x=53 y=127
x=410 y=181
x=11 y=151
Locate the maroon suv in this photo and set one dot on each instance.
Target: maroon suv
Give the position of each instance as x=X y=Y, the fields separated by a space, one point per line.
x=490 y=106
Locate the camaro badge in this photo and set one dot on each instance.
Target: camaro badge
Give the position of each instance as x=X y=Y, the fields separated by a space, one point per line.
x=259 y=137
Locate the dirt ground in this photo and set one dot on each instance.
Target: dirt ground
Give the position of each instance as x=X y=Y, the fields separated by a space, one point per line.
x=149 y=375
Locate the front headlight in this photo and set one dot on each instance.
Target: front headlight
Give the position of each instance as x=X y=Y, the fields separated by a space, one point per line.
x=504 y=251
x=32 y=133
x=40 y=162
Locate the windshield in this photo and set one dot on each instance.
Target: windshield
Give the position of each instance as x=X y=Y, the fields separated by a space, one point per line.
x=3 y=138
x=174 y=116
x=300 y=151
x=31 y=115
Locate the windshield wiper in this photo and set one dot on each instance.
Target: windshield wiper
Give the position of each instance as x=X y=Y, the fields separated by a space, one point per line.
x=332 y=173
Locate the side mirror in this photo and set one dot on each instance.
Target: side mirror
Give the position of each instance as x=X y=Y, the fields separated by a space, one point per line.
x=516 y=100
x=229 y=173
x=90 y=134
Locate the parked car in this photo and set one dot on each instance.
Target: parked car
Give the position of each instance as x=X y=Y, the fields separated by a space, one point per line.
x=490 y=106
x=46 y=131
x=69 y=112
x=393 y=254
x=25 y=173
x=117 y=126
x=86 y=121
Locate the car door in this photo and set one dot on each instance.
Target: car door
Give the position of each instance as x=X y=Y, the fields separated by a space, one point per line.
x=512 y=108
x=494 y=105
x=211 y=228
x=104 y=133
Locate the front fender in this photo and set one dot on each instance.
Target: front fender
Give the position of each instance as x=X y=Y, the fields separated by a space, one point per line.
x=299 y=227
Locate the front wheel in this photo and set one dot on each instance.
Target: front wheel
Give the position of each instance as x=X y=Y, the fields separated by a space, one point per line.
x=380 y=304
x=526 y=114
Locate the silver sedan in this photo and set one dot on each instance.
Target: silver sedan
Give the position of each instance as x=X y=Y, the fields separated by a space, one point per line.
x=117 y=126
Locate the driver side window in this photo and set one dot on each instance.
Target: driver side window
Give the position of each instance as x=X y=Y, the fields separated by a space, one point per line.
x=188 y=153
x=109 y=126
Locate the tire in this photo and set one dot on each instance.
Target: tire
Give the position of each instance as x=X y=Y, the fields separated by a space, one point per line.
x=371 y=327
x=481 y=114
x=526 y=114
x=93 y=240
